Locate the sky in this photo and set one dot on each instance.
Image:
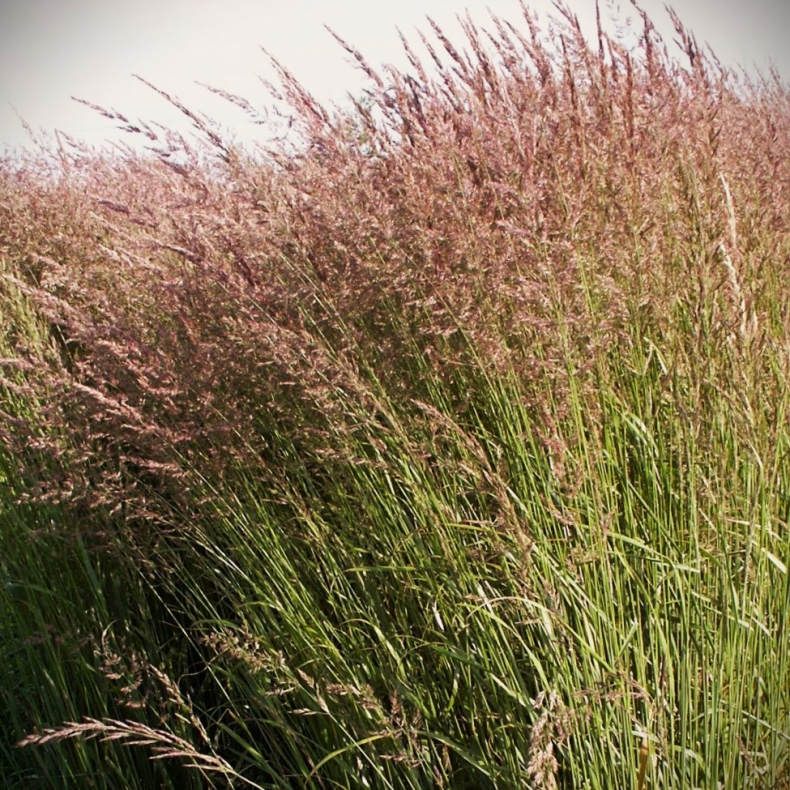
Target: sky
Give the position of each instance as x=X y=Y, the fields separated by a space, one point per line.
x=51 y=50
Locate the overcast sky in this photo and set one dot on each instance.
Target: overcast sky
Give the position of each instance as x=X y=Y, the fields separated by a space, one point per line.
x=51 y=50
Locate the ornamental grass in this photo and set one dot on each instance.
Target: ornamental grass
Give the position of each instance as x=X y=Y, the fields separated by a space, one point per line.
x=442 y=443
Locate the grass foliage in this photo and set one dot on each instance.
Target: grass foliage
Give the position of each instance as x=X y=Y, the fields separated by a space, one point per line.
x=442 y=444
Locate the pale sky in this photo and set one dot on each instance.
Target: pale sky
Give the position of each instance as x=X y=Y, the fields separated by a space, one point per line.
x=51 y=50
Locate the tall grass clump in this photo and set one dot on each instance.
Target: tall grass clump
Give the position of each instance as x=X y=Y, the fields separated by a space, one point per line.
x=442 y=444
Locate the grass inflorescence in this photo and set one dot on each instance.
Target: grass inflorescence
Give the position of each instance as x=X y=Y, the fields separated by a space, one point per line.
x=443 y=444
